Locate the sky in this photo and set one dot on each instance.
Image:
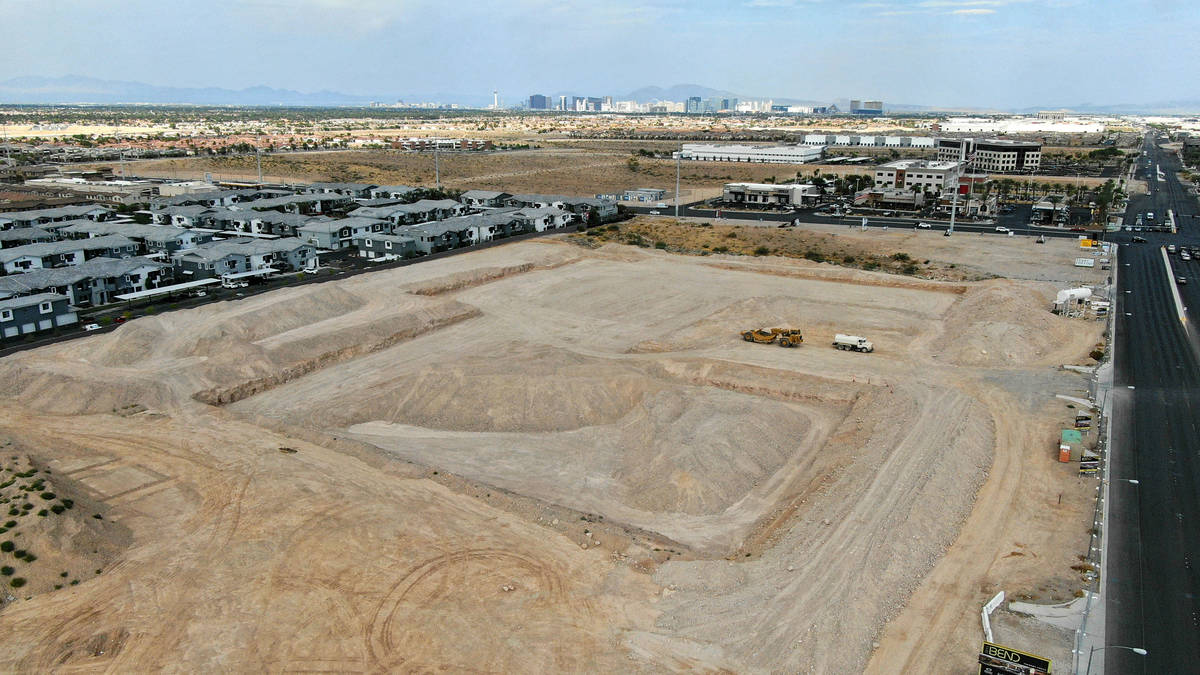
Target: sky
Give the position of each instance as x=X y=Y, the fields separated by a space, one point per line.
x=973 y=53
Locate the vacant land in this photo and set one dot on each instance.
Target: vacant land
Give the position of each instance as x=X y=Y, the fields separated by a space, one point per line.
x=566 y=452
x=567 y=171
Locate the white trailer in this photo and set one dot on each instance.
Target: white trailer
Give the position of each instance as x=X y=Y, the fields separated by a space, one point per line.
x=853 y=342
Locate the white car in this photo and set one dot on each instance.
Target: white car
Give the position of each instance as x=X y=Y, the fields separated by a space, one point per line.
x=1002 y=229
x=91 y=327
x=923 y=226
x=654 y=213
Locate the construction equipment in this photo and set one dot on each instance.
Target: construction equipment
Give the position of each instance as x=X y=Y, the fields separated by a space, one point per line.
x=786 y=337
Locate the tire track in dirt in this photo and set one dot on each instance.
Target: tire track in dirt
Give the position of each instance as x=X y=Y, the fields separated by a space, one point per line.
x=380 y=634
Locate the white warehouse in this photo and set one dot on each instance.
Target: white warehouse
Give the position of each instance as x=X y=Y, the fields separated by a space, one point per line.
x=778 y=154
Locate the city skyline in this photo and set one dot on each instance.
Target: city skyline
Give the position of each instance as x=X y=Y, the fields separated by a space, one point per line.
x=919 y=52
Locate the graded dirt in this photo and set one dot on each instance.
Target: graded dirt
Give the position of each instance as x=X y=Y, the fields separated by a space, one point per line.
x=567 y=453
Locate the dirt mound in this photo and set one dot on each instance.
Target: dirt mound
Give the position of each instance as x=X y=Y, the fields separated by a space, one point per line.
x=679 y=455
x=1004 y=323
x=556 y=391
x=74 y=394
x=51 y=535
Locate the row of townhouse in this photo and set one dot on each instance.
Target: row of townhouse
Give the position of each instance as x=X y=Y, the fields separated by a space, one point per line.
x=42 y=217
x=34 y=313
x=460 y=231
x=95 y=282
x=69 y=252
x=153 y=238
x=20 y=236
x=242 y=255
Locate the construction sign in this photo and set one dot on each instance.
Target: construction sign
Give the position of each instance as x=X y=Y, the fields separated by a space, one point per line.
x=996 y=659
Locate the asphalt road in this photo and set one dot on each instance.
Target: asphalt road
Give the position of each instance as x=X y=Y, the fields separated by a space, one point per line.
x=1153 y=587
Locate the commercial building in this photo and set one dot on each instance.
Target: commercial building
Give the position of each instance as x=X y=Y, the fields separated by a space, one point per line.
x=779 y=154
x=1021 y=125
x=870 y=141
x=993 y=155
x=906 y=174
x=539 y=102
x=866 y=107
x=769 y=194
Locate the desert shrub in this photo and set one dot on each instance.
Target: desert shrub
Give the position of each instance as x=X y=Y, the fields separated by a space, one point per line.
x=848 y=259
x=7 y=546
x=43 y=513
x=58 y=508
x=762 y=250
x=7 y=571
x=48 y=495
x=902 y=257
x=910 y=269
x=29 y=557
x=814 y=255
x=1097 y=354
x=660 y=245
x=17 y=582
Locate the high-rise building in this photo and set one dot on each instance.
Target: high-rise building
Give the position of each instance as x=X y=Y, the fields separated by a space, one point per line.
x=693 y=105
x=539 y=102
x=562 y=103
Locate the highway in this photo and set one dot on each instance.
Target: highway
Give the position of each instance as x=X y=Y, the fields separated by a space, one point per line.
x=1153 y=530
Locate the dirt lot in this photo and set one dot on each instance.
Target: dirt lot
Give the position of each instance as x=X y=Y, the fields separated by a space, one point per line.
x=568 y=453
x=566 y=171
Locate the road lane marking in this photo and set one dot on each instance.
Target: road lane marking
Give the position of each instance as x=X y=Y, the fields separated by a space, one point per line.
x=1174 y=289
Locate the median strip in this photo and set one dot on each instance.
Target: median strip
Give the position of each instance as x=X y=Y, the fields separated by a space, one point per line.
x=1173 y=287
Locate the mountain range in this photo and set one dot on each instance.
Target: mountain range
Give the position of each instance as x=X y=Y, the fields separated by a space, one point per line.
x=89 y=90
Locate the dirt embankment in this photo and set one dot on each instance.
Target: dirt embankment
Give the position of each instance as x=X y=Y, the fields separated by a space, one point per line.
x=52 y=534
x=224 y=395
x=706 y=239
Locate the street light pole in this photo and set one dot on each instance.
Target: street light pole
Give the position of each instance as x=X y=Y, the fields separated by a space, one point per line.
x=1135 y=650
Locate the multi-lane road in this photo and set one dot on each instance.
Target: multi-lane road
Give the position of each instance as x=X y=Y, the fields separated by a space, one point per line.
x=1153 y=565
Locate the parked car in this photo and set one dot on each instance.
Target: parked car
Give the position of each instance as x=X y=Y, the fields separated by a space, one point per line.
x=91 y=326
x=1001 y=229
x=923 y=226
x=1139 y=240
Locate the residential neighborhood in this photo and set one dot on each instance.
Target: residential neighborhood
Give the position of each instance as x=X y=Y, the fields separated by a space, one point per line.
x=90 y=256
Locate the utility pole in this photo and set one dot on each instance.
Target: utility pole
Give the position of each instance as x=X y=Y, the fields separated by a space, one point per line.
x=962 y=148
x=437 y=165
x=678 y=158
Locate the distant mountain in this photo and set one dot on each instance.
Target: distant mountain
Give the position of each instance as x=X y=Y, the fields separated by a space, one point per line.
x=1179 y=107
x=75 y=89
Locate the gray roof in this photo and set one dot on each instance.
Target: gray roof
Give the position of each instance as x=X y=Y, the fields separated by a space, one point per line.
x=341 y=186
x=58 y=212
x=394 y=188
x=379 y=236
x=331 y=226
x=483 y=194
x=155 y=233
x=57 y=247
x=292 y=199
x=30 y=300
x=27 y=234
x=244 y=246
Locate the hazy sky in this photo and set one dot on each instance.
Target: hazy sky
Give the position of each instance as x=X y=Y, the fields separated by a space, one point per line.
x=1001 y=53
